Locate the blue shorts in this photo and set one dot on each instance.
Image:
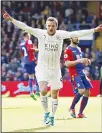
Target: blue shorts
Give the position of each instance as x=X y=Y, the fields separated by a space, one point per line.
x=81 y=82
x=30 y=67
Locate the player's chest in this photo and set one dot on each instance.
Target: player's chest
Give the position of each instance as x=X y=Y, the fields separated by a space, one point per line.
x=77 y=54
x=52 y=39
x=52 y=43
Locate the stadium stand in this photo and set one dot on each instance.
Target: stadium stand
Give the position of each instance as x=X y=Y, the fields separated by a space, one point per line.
x=71 y=16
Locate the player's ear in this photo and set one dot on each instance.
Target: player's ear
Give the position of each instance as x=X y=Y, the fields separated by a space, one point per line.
x=46 y=26
x=70 y=39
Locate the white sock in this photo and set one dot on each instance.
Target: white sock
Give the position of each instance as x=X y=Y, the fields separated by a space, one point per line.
x=54 y=104
x=44 y=102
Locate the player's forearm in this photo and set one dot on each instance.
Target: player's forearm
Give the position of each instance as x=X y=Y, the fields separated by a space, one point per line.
x=34 y=49
x=23 y=26
x=19 y=24
x=81 y=33
x=31 y=50
x=71 y=63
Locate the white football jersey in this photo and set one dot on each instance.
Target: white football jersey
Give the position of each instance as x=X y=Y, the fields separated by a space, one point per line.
x=50 y=47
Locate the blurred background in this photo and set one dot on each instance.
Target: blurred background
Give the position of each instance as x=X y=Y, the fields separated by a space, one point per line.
x=72 y=15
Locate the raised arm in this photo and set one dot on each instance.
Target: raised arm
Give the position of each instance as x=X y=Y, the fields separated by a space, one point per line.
x=80 y=33
x=21 y=25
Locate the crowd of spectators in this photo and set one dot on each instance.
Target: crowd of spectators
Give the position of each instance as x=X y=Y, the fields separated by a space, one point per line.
x=69 y=14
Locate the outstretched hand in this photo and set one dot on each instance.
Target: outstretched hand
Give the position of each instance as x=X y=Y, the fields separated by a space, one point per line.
x=84 y=61
x=6 y=16
x=99 y=28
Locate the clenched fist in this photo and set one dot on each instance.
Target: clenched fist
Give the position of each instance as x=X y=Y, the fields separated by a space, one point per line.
x=85 y=61
x=99 y=28
x=6 y=16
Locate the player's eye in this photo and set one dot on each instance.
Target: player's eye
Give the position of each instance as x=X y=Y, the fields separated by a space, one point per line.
x=53 y=25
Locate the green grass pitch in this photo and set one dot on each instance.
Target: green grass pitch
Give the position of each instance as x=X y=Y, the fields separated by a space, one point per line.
x=23 y=114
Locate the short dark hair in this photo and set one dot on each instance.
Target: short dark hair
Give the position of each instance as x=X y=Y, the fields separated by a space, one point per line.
x=25 y=33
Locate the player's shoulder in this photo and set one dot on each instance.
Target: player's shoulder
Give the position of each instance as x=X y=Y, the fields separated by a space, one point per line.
x=41 y=31
x=22 y=43
x=78 y=48
x=68 y=50
x=60 y=31
x=29 y=41
x=59 y=34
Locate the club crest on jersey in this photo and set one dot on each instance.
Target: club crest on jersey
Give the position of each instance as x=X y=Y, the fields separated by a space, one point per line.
x=44 y=36
x=65 y=56
x=58 y=37
x=29 y=42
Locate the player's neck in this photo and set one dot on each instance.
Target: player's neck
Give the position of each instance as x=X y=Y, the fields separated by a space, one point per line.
x=73 y=45
x=26 y=38
x=51 y=34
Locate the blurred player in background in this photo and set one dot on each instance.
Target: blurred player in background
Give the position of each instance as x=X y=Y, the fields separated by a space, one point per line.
x=27 y=50
x=76 y=63
x=100 y=91
x=50 y=43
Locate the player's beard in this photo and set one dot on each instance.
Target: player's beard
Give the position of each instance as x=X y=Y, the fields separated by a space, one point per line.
x=51 y=32
x=75 y=42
